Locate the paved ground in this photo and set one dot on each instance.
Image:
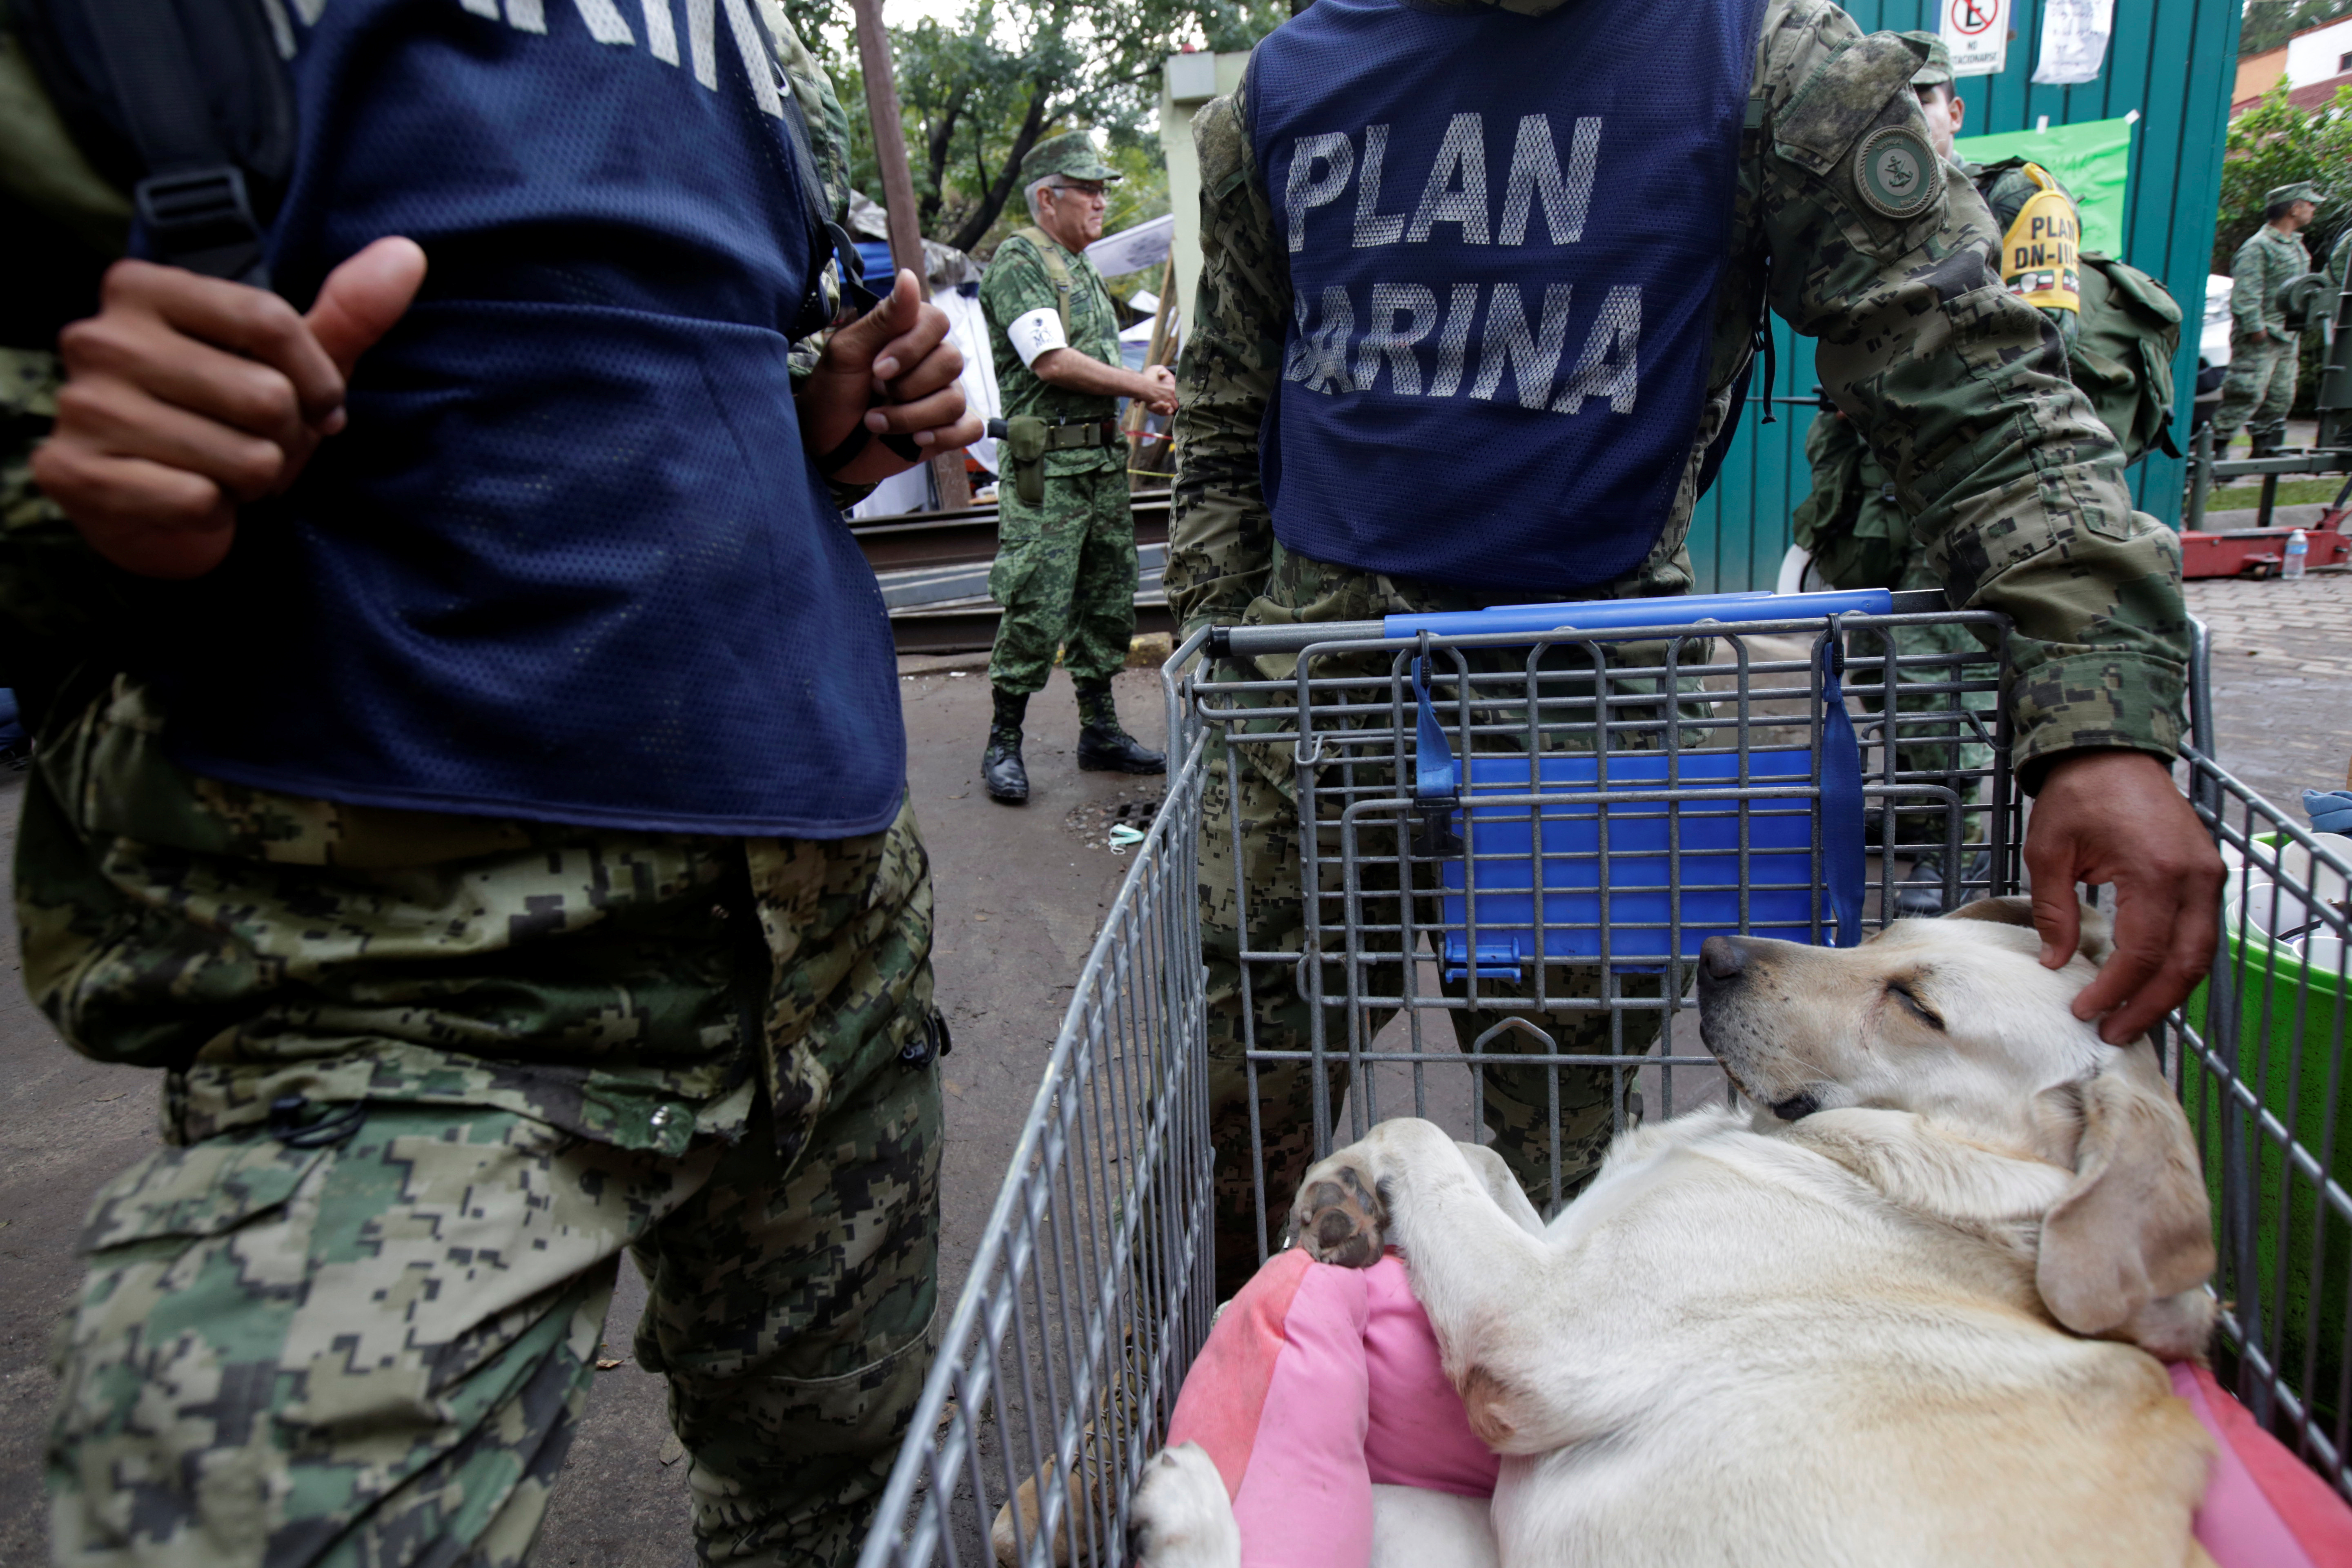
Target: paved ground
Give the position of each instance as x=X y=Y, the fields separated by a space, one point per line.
x=2282 y=679
x=1019 y=893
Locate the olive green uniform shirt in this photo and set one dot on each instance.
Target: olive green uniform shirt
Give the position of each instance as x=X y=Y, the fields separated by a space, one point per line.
x=1960 y=388
x=2267 y=259
x=1015 y=284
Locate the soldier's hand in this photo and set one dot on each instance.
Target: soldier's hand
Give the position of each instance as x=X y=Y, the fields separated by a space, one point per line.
x=186 y=396
x=895 y=369
x=1160 y=376
x=2114 y=816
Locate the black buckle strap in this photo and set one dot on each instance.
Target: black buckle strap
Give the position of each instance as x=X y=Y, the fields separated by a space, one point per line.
x=202 y=219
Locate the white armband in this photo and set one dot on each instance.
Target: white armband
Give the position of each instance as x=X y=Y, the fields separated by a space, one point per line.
x=1035 y=333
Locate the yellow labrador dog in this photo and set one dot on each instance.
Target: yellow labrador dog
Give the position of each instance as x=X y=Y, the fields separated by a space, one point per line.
x=1903 y=1314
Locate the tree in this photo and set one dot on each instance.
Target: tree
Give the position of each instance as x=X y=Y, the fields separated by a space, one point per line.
x=2275 y=144
x=2267 y=24
x=979 y=94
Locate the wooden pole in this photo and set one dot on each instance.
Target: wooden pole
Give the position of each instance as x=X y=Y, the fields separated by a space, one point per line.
x=948 y=475
x=1155 y=354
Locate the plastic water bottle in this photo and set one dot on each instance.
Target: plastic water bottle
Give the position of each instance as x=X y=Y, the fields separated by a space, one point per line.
x=2298 y=549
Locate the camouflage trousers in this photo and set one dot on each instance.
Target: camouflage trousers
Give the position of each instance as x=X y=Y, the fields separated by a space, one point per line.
x=1550 y=1123
x=427 y=1078
x=2259 y=389
x=1928 y=750
x=373 y=1343
x=1065 y=575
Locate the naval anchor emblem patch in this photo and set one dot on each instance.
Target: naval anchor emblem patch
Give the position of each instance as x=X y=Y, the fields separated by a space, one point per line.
x=1896 y=172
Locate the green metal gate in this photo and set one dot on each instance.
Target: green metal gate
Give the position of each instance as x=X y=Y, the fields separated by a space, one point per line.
x=2173 y=61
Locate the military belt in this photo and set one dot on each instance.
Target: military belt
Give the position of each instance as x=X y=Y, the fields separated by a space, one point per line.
x=1061 y=435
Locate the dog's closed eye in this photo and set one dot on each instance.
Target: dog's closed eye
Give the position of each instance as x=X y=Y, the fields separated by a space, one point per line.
x=1901 y=991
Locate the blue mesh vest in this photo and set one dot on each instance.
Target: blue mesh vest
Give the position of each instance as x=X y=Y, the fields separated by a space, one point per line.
x=1504 y=235
x=569 y=561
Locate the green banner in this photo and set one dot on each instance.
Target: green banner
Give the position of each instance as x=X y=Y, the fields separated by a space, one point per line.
x=2092 y=160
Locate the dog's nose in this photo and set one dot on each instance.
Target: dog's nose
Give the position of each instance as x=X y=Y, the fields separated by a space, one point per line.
x=1721 y=958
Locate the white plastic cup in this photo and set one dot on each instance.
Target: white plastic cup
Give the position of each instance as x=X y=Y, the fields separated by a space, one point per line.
x=2323 y=956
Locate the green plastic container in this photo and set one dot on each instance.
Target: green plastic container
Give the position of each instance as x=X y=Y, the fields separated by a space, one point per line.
x=2291 y=1033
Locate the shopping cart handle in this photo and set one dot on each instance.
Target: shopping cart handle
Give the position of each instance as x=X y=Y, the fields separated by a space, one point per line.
x=1605 y=615
x=1585 y=615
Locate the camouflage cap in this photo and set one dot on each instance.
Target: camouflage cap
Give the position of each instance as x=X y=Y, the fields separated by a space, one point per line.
x=1937 y=70
x=1071 y=155
x=2301 y=190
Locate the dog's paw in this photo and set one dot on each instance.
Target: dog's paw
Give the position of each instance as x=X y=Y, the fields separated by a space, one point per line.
x=1181 y=1516
x=1338 y=1217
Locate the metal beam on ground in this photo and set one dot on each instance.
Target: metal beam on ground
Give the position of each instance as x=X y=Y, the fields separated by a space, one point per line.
x=920 y=540
x=971 y=628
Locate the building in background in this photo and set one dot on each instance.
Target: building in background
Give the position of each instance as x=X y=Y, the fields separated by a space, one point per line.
x=2314 y=62
x=2257 y=74
x=1187 y=84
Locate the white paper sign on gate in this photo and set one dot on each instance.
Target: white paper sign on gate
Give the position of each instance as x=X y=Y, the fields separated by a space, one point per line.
x=1977 y=32
x=2074 y=36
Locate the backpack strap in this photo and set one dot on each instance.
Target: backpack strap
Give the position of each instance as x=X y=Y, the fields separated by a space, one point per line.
x=139 y=58
x=1057 y=271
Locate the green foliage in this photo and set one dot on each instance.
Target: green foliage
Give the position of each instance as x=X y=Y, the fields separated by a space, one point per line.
x=1141 y=192
x=826 y=27
x=979 y=92
x=2275 y=144
x=2267 y=24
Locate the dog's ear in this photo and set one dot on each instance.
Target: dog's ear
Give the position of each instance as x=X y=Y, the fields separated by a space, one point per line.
x=2097 y=940
x=2014 y=911
x=2133 y=1228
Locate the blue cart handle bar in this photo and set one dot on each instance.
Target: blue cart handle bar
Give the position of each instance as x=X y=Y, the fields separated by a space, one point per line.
x=1535 y=621
x=1437 y=778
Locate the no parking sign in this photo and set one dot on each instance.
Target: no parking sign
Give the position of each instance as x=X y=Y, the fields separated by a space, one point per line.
x=1977 y=32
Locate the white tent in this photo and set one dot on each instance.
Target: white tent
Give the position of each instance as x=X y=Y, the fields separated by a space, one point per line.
x=1133 y=249
x=967 y=329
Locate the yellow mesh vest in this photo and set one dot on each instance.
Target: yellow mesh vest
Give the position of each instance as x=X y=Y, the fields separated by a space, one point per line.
x=2037 y=254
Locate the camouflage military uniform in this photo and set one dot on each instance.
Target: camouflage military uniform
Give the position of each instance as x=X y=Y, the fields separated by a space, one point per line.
x=426 y=1078
x=1065 y=568
x=2260 y=387
x=2016 y=489
x=1861 y=537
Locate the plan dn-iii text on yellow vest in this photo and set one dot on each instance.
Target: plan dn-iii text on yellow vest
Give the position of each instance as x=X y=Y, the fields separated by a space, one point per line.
x=2037 y=255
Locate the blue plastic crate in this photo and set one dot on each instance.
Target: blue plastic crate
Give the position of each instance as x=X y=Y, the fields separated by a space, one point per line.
x=1783 y=888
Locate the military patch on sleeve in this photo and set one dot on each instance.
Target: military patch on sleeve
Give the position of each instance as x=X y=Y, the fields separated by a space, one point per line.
x=1897 y=175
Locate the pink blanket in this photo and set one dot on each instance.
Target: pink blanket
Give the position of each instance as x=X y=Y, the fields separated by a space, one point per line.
x=1319 y=1382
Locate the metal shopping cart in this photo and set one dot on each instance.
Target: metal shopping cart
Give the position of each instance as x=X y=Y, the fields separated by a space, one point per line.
x=1505 y=835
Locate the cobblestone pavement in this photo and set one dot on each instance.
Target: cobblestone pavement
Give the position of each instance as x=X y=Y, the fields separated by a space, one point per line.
x=2282 y=679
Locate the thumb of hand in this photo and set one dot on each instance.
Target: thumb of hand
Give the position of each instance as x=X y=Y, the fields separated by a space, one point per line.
x=898 y=312
x=362 y=299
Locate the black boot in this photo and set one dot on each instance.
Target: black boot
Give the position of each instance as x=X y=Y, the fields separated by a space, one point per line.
x=1926 y=903
x=2266 y=442
x=1103 y=746
x=1919 y=904
x=1001 y=768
